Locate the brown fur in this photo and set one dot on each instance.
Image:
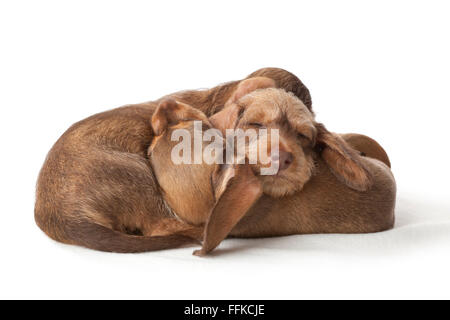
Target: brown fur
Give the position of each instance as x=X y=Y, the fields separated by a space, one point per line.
x=96 y=188
x=328 y=188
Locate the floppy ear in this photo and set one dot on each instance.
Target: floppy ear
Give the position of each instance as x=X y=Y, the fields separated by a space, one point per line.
x=228 y=116
x=237 y=189
x=170 y=112
x=344 y=161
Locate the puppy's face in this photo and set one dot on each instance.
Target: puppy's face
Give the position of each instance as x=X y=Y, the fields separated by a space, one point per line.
x=276 y=109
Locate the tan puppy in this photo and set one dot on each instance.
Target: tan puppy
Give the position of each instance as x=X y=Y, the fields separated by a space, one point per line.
x=323 y=185
x=97 y=190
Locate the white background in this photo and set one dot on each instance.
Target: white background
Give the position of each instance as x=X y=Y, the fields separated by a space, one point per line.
x=375 y=67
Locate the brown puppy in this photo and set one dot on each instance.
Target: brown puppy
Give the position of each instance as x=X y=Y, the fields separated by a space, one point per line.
x=96 y=188
x=323 y=185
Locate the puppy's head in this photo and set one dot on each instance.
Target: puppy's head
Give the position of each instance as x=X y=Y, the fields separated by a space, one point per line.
x=301 y=141
x=186 y=187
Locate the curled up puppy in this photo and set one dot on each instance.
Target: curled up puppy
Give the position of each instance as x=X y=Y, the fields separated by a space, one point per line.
x=321 y=184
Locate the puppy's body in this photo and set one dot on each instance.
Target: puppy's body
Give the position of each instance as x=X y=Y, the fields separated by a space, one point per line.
x=96 y=188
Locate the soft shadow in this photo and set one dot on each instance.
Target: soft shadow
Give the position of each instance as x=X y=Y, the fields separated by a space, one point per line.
x=420 y=224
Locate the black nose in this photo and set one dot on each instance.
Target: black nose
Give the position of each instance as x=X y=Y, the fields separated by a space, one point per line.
x=286 y=159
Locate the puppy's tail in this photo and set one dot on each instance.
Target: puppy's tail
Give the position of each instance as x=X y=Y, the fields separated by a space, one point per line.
x=97 y=237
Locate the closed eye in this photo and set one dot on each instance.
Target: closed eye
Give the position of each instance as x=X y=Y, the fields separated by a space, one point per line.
x=256 y=124
x=303 y=139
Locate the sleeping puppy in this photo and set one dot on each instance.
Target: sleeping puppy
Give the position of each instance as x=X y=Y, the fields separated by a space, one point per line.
x=322 y=184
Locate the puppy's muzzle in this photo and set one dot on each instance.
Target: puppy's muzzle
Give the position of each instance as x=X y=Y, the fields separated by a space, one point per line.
x=285 y=159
